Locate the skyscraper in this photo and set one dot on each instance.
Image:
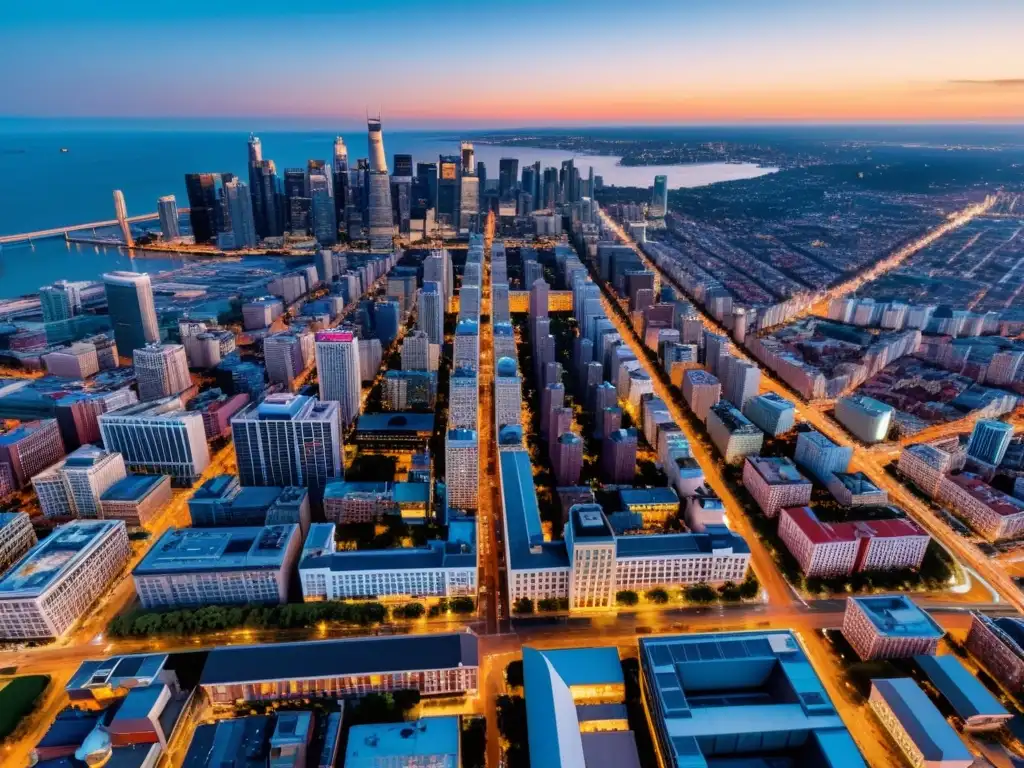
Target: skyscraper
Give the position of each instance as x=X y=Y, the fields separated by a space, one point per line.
x=239 y=219
x=337 y=367
x=60 y=301
x=161 y=370
x=403 y=165
x=659 y=197
x=549 y=188
x=382 y=231
x=296 y=190
x=325 y=225
x=167 y=209
x=269 y=203
x=508 y=175
x=206 y=204
x=431 y=312
x=469 y=203
x=131 y=309
x=463 y=399
x=340 y=169
x=448 y=188
x=468 y=159
x=989 y=441
x=425 y=191
x=259 y=214
x=289 y=440
x=530 y=183
x=121 y=213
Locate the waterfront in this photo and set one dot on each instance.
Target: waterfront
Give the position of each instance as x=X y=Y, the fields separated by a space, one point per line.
x=148 y=164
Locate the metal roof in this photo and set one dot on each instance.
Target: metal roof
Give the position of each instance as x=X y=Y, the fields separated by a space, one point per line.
x=923 y=723
x=339 y=658
x=965 y=693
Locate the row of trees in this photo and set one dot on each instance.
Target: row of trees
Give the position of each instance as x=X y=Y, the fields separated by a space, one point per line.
x=217 y=618
x=526 y=606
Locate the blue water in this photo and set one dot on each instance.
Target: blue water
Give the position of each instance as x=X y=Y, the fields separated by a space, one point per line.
x=45 y=188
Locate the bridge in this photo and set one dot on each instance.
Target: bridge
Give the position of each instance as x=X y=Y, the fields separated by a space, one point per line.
x=64 y=231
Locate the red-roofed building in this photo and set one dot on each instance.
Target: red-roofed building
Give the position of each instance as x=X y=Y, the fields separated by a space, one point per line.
x=841 y=549
x=991 y=513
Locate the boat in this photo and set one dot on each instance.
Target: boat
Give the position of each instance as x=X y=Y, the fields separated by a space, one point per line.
x=63 y=150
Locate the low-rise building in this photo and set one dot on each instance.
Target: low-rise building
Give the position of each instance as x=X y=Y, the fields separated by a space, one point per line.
x=656 y=505
x=218 y=566
x=842 y=549
x=733 y=434
x=52 y=586
x=990 y=512
x=917 y=727
x=136 y=499
x=73 y=487
x=889 y=627
x=429 y=741
x=348 y=501
x=973 y=703
x=435 y=665
x=853 y=489
x=440 y=569
x=775 y=483
x=17 y=536
x=30 y=448
x=784 y=714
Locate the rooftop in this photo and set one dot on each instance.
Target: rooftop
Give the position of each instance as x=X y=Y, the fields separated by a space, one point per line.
x=756 y=689
x=925 y=725
x=407 y=743
x=644 y=496
x=218 y=549
x=777 y=470
x=997 y=501
x=396 y=422
x=732 y=418
x=715 y=538
x=133 y=488
x=869 y=404
x=965 y=693
x=898 y=616
x=117 y=671
x=339 y=658
x=524 y=537
x=827 y=533
x=856 y=482
x=774 y=401
x=697 y=376
x=54 y=556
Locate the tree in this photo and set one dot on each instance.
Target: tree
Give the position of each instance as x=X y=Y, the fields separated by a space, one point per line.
x=701 y=594
x=514 y=674
x=410 y=610
x=657 y=595
x=627 y=597
x=750 y=588
x=547 y=604
x=462 y=605
x=730 y=592
x=523 y=605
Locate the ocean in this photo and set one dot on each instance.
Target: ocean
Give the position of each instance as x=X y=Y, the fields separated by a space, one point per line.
x=45 y=187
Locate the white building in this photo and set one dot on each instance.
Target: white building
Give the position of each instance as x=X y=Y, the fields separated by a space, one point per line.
x=219 y=566
x=467 y=345
x=701 y=390
x=925 y=465
x=463 y=399
x=52 y=586
x=820 y=456
x=337 y=367
x=287 y=355
x=161 y=370
x=867 y=419
x=371 y=355
x=430 y=316
x=73 y=487
x=419 y=354
x=158 y=438
x=462 y=468
x=441 y=569
x=508 y=394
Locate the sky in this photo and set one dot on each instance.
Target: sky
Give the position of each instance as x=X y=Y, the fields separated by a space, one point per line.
x=474 y=63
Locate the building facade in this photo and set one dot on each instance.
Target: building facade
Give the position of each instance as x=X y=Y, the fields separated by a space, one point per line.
x=890 y=627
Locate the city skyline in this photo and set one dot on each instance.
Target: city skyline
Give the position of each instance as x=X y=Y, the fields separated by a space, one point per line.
x=699 y=63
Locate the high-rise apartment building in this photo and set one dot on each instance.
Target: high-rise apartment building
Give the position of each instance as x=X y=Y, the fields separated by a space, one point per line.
x=462 y=468
x=17 y=536
x=288 y=355
x=866 y=418
x=463 y=399
x=289 y=440
x=701 y=390
x=132 y=311
x=430 y=318
x=771 y=413
x=508 y=394
x=337 y=367
x=743 y=381
x=60 y=301
x=618 y=456
x=159 y=437
x=73 y=487
x=416 y=352
x=467 y=345
x=567 y=459
x=161 y=370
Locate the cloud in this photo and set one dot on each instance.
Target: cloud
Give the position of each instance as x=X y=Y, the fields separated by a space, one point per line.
x=1017 y=82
